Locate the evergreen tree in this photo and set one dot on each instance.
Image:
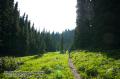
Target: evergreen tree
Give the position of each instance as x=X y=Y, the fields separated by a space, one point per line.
x=61 y=44
x=97 y=24
x=82 y=31
x=106 y=24
x=18 y=37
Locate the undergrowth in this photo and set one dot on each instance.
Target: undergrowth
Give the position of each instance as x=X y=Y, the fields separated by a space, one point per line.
x=49 y=66
x=96 y=65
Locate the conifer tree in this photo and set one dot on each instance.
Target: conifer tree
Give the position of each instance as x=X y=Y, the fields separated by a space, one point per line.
x=61 y=44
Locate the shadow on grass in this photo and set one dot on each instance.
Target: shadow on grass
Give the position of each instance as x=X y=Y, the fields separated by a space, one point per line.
x=109 y=53
x=34 y=57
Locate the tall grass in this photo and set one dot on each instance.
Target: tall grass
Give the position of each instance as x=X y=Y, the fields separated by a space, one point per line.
x=53 y=66
x=96 y=65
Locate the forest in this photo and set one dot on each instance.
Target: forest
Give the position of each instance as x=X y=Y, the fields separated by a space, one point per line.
x=19 y=37
x=97 y=25
x=93 y=46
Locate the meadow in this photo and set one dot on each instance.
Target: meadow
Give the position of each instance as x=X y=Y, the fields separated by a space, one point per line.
x=53 y=65
x=96 y=65
x=47 y=66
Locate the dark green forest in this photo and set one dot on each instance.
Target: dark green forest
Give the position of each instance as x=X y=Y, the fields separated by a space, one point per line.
x=19 y=37
x=97 y=28
x=98 y=25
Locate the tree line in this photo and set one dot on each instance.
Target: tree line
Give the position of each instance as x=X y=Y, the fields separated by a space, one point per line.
x=19 y=37
x=98 y=24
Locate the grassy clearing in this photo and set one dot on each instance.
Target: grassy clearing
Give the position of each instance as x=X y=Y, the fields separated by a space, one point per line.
x=54 y=66
x=96 y=65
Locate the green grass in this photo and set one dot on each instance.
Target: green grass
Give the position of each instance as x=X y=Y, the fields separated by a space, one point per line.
x=90 y=65
x=96 y=65
x=54 y=66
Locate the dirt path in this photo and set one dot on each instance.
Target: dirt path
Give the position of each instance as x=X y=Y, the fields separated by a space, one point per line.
x=73 y=69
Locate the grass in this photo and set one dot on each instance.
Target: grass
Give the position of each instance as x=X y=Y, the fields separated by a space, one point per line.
x=49 y=66
x=96 y=65
x=53 y=65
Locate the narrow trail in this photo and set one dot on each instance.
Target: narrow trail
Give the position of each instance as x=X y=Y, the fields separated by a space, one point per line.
x=73 y=69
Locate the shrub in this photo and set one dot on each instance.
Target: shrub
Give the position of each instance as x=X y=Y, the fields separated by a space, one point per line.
x=8 y=64
x=81 y=68
x=92 y=71
x=58 y=74
x=47 y=70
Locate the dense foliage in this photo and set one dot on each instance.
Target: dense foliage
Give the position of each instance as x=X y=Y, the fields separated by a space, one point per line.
x=97 y=24
x=8 y=64
x=92 y=65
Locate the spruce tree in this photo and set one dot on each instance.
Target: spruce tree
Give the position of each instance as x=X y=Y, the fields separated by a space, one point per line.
x=61 y=44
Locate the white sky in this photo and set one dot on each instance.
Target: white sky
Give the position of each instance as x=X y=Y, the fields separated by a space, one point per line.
x=56 y=15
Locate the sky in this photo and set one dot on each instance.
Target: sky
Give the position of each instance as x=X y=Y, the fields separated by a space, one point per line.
x=53 y=15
